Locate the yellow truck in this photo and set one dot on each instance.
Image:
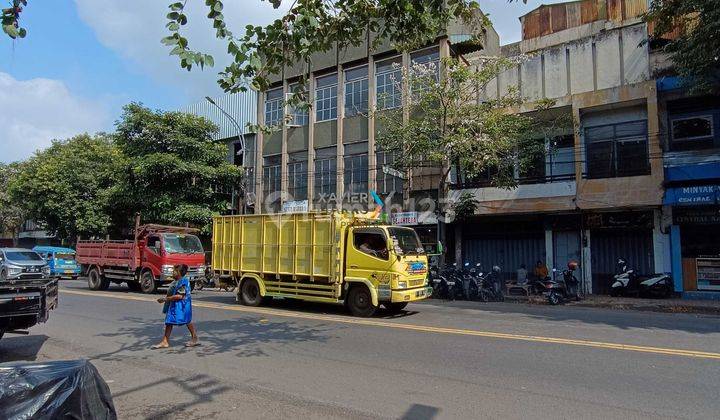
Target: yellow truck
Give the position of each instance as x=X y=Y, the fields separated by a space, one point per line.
x=322 y=257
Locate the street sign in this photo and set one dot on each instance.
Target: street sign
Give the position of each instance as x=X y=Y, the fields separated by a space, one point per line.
x=393 y=172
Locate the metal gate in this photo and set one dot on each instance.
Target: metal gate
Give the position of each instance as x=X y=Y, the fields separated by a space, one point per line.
x=507 y=251
x=635 y=246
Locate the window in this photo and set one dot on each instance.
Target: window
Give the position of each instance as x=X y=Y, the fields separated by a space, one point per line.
x=273 y=107
x=297 y=177
x=426 y=67
x=692 y=132
x=271 y=175
x=617 y=150
x=387 y=177
x=356 y=91
x=531 y=163
x=153 y=244
x=356 y=168
x=325 y=175
x=561 y=158
x=371 y=242
x=326 y=98
x=298 y=113
x=388 y=76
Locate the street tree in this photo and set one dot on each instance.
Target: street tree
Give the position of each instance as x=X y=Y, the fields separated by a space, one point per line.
x=12 y=213
x=695 y=53
x=449 y=123
x=175 y=173
x=67 y=188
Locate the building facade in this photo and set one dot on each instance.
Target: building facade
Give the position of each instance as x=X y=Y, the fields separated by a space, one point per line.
x=598 y=194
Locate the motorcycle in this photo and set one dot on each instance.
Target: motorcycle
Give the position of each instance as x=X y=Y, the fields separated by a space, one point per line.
x=561 y=291
x=209 y=280
x=439 y=284
x=628 y=283
x=489 y=287
x=456 y=283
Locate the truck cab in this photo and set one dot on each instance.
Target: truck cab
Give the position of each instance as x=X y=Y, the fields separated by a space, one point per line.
x=392 y=260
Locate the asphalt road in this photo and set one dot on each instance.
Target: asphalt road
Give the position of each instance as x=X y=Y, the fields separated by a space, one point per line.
x=436 y=361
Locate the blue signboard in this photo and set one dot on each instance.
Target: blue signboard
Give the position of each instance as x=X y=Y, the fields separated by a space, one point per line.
x=702 y=195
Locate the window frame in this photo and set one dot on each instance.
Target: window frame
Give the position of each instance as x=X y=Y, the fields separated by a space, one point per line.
x=323 y=113
x=274 y=115
x=397 y=96
x=356 y=86
x=615 y=171
x=371 y=231
x=709 y=137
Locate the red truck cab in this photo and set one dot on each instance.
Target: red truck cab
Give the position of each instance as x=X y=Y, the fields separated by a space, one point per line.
x=144 y=263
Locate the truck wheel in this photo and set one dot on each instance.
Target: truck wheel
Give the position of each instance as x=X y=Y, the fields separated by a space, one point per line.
x=250 y=293
x=395 y=307
x=133 y=286
x=95 y=280
x=147 y=282
x=360 y=302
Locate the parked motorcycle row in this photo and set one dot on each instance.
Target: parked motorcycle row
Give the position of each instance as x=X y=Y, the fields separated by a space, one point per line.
x=470 y=282
x=628 y=283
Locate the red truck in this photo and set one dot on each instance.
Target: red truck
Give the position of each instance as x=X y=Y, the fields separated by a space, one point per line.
x=144 y=263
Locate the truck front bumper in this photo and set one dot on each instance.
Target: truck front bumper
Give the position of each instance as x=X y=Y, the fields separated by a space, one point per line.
x=410 y=295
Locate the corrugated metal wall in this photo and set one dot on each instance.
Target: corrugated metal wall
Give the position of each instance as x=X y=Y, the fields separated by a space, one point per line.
x=506 y=250
x=548 y=19
x=242 y=106
x=608 y=245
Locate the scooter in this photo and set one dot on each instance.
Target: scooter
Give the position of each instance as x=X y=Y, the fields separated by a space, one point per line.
x=439 y=284
x=490 y=288
x=628 y=283
x=558 y=292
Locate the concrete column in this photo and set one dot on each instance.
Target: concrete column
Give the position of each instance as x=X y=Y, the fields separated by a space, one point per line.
x=311 y=142
x=661 y=245
x=549 y=249
x=676 y=251
x=340 y=180
x=372 y=108
x=586 y=263
x=259 y=141
x=408 y=184
x=284 y=153
x=458 y=244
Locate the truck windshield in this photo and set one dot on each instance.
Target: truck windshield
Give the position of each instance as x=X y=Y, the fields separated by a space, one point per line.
x=23 y=256
x=406 y=240
x=182 y=244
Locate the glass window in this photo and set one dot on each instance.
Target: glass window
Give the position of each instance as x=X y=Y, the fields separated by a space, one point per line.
x=387 y=177
x=325 y=174
x=371 y=242
x=616 y=150
x=23 y=256
x=356 y=91
x=297 y=177
x=561 y=158
x=182 y=244
x=271 y=175
x=425 y=64
x=326 y=98
x=405 y=240
x=356 y=173
x=692 y=132
x=388 y=79
x=273 y=107
x=298 y=113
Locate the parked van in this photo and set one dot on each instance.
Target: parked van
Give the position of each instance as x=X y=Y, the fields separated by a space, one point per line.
x=61 y=261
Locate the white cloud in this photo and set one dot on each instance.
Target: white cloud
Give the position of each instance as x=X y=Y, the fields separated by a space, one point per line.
x=36 y=111
x=133 y=28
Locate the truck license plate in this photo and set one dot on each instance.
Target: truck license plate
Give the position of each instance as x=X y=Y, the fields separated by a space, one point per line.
x=420 y=293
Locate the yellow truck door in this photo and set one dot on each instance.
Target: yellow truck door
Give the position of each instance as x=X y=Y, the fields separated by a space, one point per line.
x=367 y=255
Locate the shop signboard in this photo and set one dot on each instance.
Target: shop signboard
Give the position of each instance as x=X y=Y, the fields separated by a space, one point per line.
x=297 y=206
x=621 y=220
x=700 y=195
x=700 y=216
x=406 y=218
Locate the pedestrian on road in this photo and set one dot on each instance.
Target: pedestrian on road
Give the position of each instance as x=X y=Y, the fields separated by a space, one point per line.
x=178 y=308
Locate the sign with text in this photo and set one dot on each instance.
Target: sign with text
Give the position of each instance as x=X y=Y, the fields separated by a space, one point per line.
x=693 y=196
x=298 y=206
x=406 y=218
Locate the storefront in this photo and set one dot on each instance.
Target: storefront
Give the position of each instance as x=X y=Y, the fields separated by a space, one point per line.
x=695 y=238
x=627 y=235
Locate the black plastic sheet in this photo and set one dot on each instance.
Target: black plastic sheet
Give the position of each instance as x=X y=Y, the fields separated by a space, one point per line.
x=54 y=390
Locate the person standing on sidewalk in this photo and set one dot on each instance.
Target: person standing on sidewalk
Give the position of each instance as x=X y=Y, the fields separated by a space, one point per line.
x=178 y=308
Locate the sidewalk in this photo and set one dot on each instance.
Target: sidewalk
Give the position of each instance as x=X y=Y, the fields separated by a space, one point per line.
x=653 y=305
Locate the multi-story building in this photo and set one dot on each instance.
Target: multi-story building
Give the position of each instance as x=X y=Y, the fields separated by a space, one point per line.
x=595 y=197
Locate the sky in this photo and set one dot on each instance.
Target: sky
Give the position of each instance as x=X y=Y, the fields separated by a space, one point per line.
x=82 y=60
